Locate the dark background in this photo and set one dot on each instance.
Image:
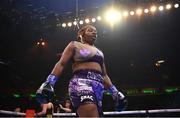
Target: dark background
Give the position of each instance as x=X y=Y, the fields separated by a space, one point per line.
x=131 y=50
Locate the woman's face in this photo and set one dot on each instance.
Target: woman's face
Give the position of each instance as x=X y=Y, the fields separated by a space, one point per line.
x=67 y=105
x=90 y=34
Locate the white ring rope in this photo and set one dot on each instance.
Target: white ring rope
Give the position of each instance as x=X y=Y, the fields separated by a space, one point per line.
x=12 y=113
x=105 y=113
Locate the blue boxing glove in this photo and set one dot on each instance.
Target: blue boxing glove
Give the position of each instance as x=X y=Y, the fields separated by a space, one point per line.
x=46 y=91
x=118 y=98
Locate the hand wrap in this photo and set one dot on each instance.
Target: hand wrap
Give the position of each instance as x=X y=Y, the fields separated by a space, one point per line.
x=119 y=98
x=46 y=91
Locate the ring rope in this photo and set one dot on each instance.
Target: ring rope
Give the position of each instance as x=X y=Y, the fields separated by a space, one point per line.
x=105 y=113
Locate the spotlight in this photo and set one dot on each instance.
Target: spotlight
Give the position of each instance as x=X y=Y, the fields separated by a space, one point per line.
x=153 y=8
x=131 y=13
x=43 y=43
x=146 y=11
x=93 y=20
x=160 y=61
x=176 y=5
x=99 y=18
x=69 y=24
x=112 y=16
x=38 y=43
x=168 y=6
x=157 y=64
x=64 y=25
x=125 y=13
x=161 y=8
x=139 y=11
x=87 y=20
x=81 y=22
x=75 y=23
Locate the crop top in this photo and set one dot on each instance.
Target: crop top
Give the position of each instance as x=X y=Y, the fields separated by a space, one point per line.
x=86 y=53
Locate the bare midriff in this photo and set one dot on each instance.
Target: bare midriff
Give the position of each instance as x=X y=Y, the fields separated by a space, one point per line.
x=86 y=65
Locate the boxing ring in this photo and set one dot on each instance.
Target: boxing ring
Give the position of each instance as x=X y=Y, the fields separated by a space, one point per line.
x=145 y=113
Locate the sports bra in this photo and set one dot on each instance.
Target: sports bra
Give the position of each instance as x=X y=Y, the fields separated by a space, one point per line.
x=86 y=53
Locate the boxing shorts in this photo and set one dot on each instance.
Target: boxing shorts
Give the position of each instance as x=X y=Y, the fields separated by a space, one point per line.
x=86 y=87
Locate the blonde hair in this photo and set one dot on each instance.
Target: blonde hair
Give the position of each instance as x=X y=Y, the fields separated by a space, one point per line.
x=81 y=32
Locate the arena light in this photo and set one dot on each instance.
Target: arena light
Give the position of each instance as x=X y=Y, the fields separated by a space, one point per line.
x=112 y=16
x=87 y=20
x=160 y=61
x=146 y=11
x=75 y=23
x=132 y=13
x=38 y=43
x=98 y=18
x=153 y=9
x=176 y=5
x=64 y=25
x=125 y=13
x=69 y=24
x=43 y=43
x=93 y=20
x=81 y=22
x=168 y=6
x=139 y=11
x=161 y=8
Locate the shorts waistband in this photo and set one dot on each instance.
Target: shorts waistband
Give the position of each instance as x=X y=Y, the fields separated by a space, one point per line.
x=89 y=74
x=84 y=71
